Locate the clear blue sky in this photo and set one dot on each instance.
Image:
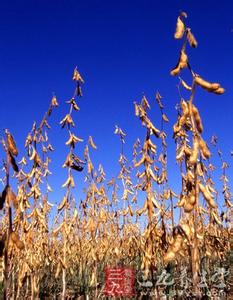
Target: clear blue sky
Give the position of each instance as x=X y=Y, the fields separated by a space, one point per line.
x=123 y=49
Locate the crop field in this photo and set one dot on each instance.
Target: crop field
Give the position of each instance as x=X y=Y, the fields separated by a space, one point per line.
x=131 y=236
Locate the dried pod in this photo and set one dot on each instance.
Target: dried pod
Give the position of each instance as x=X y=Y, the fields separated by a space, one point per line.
x=63 y=203
x=185 y=85
x=180 y=28
x=56 y=230
x=140 y=162
x=204 y=149
x=175 y=71
x=92 y=144
x=165 y=118
x=77 y=76
x=58 y=270
x=182 y=121
x=185 y=108
x=206 y=84
x=216 y=218
x=182 y=63
x=194 y=155
x=13 y=163
x=210 y=87
x=197 y=118
x=192 y=198
x=191 y=39
x=180 y=153
x=152 y=175
x=187 y=151
x=182 y=200
x=54 y=101
x=188 y=207
x=200 y=171
x=207 y=195
x=11 y=144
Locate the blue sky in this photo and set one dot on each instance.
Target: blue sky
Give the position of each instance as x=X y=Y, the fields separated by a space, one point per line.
x=123 y=49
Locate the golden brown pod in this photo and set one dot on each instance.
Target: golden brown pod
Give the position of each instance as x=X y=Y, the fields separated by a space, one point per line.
x=197 y=119
x=182 y=121
x=210 y=87
x=11 y=143
x=194 y=155
x=58 y=270
x=182 y=200
x=180 y=153
x=13 y=163
x=63 y=203
x=191 y=39
x=185 y=109
x=192 y=198
x=165 y=118
x=140 y=162
x=207 y=195
x=54 y=101
x=77 y=76
x=175 y=71
x=204 y=149
x=180 y=28
x=185 y=85
x=182 y=63
x=188 y=207
x=216 y=218
x=91 y=142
